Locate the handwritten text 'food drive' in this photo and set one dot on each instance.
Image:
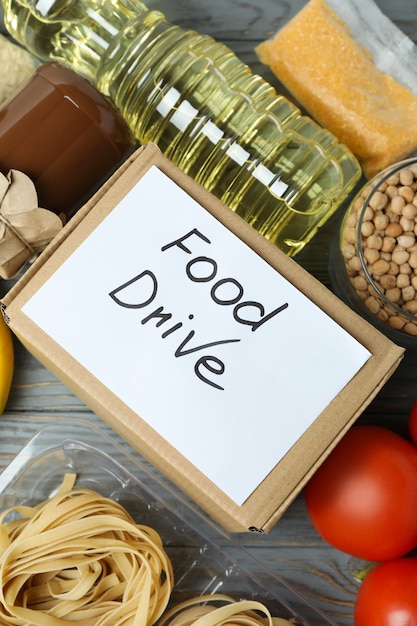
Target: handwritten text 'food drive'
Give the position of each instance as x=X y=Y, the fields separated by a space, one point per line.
x=200 y=269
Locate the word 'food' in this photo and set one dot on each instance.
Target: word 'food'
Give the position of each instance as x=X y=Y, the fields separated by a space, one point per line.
x=200 y=269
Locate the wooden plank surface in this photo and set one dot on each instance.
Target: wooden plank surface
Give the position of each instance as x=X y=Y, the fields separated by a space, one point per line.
x=322 y=574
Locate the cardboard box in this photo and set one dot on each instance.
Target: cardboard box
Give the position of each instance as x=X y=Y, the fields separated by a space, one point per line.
x=216 y=356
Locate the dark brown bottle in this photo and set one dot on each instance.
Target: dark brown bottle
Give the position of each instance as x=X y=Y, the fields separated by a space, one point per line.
x=67 y=137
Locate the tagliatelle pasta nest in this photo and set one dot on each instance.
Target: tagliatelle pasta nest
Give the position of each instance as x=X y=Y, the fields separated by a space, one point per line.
x=80 y=557
x=220 y=610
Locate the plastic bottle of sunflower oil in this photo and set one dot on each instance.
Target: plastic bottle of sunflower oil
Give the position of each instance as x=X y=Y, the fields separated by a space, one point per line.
x=221 y=124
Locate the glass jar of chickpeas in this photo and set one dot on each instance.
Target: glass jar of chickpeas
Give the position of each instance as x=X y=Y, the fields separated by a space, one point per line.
x=374 y=264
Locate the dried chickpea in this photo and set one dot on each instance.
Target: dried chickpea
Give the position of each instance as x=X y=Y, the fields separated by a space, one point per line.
x=394 y=218
x=367 y=229
x=349 y=250
x=400 y=256
x=388 y=281
x=372 y=304
x=357 y=205
x=402 y=280
x=378 y=201
x=388 y=244
x=394 y=180
x=350 y=235
x=380 y=267
x=391 y=191
x=410 y=211
x=397 y=204
x=393 y=294
x=355 y=264
x=394 y=229
x=396 y=322
x=374 y=242
x=351 y=220
x=394 y=269
x=368 y=214
x=407 y=193
x=360 y=283
x=411 y=307
x=406 y=240
x=408 y=293
x=381 y=221
x=371 y=255
x=372 y=291
x=383 y=315
x=406 y=177
x=405 y=269
x=405 y=222
x=410 y=328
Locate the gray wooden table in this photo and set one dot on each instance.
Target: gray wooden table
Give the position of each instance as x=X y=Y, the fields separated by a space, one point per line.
x=322 y=574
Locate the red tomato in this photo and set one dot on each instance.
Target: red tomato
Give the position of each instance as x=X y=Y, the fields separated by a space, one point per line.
x=388 y=595
x=412 y=422
x=363 y=498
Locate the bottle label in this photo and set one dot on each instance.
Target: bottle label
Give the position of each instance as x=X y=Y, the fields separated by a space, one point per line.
x=197 y=334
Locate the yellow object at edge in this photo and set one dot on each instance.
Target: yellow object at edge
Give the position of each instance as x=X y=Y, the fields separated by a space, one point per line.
x=6 y=363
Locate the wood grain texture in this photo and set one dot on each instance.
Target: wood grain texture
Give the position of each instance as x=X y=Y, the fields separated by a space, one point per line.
x=323 y=575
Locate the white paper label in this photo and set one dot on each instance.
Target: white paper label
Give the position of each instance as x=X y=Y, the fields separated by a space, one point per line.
x=197 y=334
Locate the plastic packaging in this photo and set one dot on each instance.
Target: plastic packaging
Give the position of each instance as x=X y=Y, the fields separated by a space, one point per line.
x=204 y=558
x=224 y=126
x=360 y=82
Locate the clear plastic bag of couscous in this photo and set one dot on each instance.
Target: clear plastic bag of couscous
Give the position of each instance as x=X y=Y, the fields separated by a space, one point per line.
x=355 y=72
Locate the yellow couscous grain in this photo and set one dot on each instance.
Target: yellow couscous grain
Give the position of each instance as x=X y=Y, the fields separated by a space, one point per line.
x=318 y=60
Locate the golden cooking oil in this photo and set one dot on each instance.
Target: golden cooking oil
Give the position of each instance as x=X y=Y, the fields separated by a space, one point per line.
x=220 y=123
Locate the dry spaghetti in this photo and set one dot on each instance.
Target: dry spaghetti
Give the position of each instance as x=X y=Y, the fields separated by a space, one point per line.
x=80 y=557
x=220 y=610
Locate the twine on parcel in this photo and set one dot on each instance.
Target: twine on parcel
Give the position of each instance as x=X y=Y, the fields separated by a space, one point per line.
x=25 y=228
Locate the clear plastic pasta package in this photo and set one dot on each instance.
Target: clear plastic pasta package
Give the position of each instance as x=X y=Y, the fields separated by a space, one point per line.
x=205 y=560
